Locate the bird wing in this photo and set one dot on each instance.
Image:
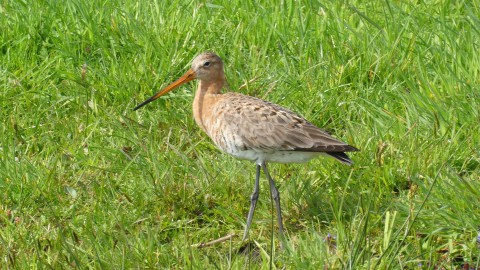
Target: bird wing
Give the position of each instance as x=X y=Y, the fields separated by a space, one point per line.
x=262 y=125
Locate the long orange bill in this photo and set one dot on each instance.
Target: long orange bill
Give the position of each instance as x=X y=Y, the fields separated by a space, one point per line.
x=188 y=76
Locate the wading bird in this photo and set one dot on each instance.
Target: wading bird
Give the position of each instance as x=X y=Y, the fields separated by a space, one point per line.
x=253 y=129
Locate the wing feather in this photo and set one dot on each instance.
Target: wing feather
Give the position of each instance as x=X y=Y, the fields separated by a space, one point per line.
x=262 y=125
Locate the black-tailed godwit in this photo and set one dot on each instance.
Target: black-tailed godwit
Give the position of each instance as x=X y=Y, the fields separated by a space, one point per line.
x=254 y=129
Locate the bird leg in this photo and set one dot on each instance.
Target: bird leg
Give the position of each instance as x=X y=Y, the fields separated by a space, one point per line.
x=276 y=197
x=253 y=202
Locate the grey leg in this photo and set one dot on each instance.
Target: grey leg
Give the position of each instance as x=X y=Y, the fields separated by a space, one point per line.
x=253 y=202
x=276 y=197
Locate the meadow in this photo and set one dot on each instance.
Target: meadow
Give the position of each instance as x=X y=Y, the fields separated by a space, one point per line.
x=88 y=183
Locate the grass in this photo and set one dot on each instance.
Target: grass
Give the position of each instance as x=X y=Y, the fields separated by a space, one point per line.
x=88 y=183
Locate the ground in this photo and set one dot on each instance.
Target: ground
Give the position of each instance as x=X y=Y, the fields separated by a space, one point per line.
x=88 y=183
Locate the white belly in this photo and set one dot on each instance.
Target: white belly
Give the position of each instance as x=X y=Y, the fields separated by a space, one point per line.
x=275 y=156
x=228 y=140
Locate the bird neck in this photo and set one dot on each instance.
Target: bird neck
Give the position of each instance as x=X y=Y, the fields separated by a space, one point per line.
x=206 y=96
x=211 y=87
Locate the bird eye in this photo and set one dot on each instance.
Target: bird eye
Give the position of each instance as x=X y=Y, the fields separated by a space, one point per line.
x=206 y=64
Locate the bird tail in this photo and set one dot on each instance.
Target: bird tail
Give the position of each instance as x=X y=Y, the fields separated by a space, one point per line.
x=342 y=157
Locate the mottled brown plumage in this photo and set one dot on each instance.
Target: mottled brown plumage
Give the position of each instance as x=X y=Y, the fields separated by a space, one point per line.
x=250 y=128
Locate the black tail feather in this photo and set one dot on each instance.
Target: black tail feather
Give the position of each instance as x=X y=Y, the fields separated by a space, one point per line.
x=342 y=157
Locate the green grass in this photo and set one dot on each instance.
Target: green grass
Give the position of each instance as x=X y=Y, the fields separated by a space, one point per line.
x=88 y=183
